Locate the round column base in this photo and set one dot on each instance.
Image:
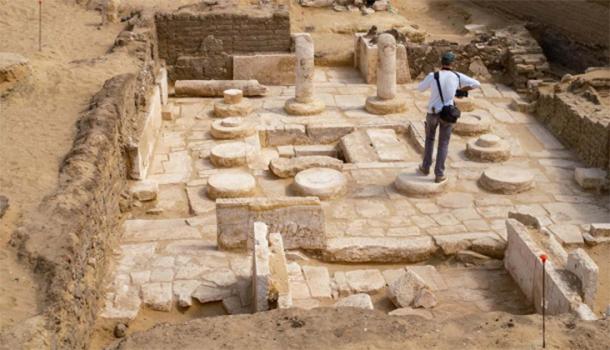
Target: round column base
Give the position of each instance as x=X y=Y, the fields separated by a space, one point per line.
x=293 y=107
x=375 y=105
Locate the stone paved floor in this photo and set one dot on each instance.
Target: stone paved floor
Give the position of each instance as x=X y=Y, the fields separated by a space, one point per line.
x=171 y=254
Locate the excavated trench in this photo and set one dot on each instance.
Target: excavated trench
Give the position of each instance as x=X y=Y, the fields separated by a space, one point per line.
x=362 y=229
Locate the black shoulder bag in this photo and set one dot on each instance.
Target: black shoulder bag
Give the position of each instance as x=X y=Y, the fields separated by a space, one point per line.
x=449 y=113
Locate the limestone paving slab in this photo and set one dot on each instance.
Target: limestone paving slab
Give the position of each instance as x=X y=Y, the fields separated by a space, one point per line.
x=365 y=281
x=318 y=280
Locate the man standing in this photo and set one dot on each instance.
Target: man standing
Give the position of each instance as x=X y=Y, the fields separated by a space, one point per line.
x=450 y=82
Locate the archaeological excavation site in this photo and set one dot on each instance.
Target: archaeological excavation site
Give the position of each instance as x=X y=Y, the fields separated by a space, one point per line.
x=223 y=174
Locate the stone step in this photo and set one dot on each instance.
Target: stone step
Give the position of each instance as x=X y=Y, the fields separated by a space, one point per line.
x=379 y=249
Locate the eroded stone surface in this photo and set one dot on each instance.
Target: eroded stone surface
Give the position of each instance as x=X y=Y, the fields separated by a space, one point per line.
x=232 y=128
x=411 y=183
x=376 y=105
x=223 y=109
x=472 y=123
x=231 y=185
x=404 y=290
x=507 y=180
x=324 y=183
x=365 y=281
x=488 y=148
x=288 y=167
x=591 y=178
x=231 y=154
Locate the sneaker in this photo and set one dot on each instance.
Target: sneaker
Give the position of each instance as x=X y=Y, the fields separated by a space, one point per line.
x=440 y=179
x=422 y=170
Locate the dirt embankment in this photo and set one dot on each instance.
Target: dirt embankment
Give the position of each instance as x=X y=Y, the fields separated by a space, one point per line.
x=349 y=328
x=37 y=123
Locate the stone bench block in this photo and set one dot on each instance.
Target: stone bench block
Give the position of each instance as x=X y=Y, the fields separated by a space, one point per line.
x=381 y=250
x=300 y=221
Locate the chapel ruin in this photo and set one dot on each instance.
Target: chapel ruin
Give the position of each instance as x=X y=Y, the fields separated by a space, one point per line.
x=237 y=171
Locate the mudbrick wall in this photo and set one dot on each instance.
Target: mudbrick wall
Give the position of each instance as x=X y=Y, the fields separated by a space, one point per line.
x=69 y=240
x=574 y=33
x=199 y=45
x=578 y=123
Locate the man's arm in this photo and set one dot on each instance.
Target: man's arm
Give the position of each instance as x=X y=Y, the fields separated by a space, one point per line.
x=467 y=83
x=426 y=83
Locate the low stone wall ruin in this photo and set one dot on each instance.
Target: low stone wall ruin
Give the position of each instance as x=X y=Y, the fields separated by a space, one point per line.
x=569 y=285
x=299 y=220
x=510 y=54
x=573 y=33
x=200 y=45
x=578 y=123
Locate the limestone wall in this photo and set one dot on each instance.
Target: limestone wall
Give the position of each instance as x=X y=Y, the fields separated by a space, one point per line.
x=200 y=45
x=579 y=124
x=299 y=220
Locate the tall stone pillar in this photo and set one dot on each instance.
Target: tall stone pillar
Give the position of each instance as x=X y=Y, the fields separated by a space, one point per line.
x=304 y=102
x=386 y=101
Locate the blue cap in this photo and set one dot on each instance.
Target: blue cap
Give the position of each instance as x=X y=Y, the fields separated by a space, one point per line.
x=447 y=58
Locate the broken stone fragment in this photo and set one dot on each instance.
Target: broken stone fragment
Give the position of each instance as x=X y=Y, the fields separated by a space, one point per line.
x=158 y=296
x=145 y=190
x=206 y=294
x=365 y=281
x=183 y=291
x=362 y=301
x=232 y=305
x=403 y=291
x=289 y=167
x=425 y=299
x=380 y=5
x=600 y=230
x=591 y=178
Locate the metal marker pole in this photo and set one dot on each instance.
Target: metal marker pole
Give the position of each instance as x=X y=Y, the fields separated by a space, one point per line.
x=39 y=25
x=543 y=257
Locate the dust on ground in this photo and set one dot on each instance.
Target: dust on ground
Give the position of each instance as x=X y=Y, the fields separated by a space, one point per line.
x=37 y=123
x=350 y=328
x=333 y=31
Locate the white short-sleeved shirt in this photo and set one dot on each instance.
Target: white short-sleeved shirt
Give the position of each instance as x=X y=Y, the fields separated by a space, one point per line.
x=449 y=83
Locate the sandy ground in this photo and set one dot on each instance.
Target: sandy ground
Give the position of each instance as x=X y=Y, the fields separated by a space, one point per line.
x=333 y=31
x=37 y=125
x=349 y=328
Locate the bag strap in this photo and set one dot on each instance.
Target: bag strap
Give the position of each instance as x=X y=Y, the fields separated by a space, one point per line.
x=438 y=85
x=459 y=80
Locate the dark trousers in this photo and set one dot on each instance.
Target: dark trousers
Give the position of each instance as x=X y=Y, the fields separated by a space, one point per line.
x=433 y=121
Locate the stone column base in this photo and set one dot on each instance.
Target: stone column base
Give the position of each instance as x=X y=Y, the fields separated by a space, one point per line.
x=375 y=105
x=223 y=109
x=293 y=107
